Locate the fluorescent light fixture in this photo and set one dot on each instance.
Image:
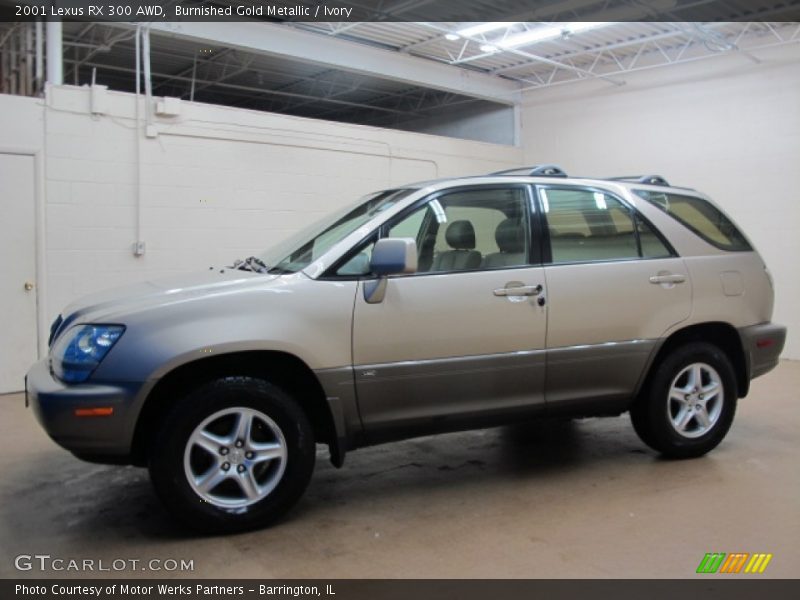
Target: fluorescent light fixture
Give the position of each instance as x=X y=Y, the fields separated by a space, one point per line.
x=548 y=32
x=452 y=36
x=479 y=28
x=488 y=48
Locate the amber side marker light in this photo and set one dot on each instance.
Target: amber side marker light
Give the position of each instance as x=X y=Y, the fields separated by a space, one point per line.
x=102 y=411
x=765 y=343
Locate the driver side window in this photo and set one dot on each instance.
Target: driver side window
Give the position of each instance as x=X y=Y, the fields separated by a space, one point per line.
x=469 y=230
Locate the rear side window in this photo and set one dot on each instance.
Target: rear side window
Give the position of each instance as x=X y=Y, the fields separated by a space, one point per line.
x=589 y=225
x=701 y=217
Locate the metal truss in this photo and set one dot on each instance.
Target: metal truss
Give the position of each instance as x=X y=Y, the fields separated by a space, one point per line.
x=236 y=76
x=680 y=43
x=688 y=43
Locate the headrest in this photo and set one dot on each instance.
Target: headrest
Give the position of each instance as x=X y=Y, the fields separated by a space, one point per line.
x=510 y=236
x=460 y=235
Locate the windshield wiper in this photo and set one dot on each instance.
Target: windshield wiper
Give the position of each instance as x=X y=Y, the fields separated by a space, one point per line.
x=252 y=263
x=280 y=271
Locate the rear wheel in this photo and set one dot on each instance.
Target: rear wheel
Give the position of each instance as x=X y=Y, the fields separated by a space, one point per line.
x=689 y=404
x=235 y=454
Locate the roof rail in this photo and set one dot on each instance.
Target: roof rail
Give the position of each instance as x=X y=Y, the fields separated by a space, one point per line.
x=535 y=171
x=648 y=179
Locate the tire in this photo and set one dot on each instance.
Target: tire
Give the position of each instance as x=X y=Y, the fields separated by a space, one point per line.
x=678 y=421
x=216 y=473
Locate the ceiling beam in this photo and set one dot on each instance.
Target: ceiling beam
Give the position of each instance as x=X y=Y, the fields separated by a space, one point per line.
x=292 y=44
x=247 y=88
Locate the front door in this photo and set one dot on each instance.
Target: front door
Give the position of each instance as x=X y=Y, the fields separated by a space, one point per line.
x=464 y=336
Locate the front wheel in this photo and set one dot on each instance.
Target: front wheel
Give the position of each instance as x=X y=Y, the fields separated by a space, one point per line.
x=689 y=404
x=235 y=454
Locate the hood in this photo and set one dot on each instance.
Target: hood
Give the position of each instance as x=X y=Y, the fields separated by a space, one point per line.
x=107 y=304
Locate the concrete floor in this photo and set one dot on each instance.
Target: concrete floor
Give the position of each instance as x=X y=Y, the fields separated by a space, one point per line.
x=582 y=499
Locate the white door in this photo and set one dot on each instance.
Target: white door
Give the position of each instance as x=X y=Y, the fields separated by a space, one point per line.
x=17 y=270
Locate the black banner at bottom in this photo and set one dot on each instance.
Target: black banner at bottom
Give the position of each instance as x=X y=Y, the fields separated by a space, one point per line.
x=398 y=589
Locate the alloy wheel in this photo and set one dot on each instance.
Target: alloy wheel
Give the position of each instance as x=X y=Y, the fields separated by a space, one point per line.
x=235 y=458
x=695 y=400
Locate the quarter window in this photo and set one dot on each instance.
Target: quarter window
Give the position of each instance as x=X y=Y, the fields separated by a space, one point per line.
x=701 y=217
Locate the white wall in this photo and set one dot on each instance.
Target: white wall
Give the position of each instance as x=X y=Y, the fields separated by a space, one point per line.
x=725 y=126
x=21 y=122
x=217 y=183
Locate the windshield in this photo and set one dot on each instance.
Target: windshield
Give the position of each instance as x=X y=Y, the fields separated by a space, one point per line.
x=304 y=247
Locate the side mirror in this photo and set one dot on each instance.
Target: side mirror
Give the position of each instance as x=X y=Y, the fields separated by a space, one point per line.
x=390 y=256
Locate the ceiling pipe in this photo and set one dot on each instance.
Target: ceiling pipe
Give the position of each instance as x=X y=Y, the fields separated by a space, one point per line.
x=55 y=57
x=148 y=79
x=39 y=67
x=138 y=243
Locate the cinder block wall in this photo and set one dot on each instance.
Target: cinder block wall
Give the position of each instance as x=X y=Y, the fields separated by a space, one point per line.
x=217 y=183
x=725 y=126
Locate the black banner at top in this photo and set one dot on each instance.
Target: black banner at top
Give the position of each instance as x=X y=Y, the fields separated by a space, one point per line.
x=401 y=10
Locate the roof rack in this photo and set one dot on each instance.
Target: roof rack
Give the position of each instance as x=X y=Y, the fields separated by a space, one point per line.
x=535 y=171
x=648 y=179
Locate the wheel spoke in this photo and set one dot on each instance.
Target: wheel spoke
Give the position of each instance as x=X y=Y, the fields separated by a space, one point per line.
x=209 y=442
x=211 y=479
x=702 y=418
x=697 y=376
x=678 y=395
x=244 y=424
x=711 y=390
x=249 y=485
x=265 y=452
x=683 y=418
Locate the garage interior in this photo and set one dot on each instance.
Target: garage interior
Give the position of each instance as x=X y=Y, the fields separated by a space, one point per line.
x=237 y=134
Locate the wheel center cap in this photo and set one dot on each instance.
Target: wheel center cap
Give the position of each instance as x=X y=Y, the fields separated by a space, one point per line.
x=237 y=456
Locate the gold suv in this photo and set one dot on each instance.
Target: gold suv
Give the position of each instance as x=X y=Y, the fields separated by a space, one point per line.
x=440 y=306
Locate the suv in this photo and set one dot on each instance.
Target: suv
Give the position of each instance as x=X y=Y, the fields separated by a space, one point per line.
x=440 y=306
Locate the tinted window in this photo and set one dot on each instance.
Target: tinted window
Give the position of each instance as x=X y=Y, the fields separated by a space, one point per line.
x=651 y=244
x=701 y=217
x=587 y=225
x=461 y=231
x=302 y=249
x=468 y=230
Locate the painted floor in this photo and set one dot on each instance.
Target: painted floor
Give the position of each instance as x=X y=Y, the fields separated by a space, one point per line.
x=548 y=499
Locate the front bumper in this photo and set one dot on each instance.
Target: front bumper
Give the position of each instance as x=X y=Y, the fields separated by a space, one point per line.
x=101 y=438
x=762 y=344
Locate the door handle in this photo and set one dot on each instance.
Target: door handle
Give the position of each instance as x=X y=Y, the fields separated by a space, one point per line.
x=28 y=286
x=668 y=278
x=520 y=290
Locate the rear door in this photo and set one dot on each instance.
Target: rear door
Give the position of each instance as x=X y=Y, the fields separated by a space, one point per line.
x=614 y=285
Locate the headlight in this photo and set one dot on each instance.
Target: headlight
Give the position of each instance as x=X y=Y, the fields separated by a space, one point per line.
x=77 y=352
